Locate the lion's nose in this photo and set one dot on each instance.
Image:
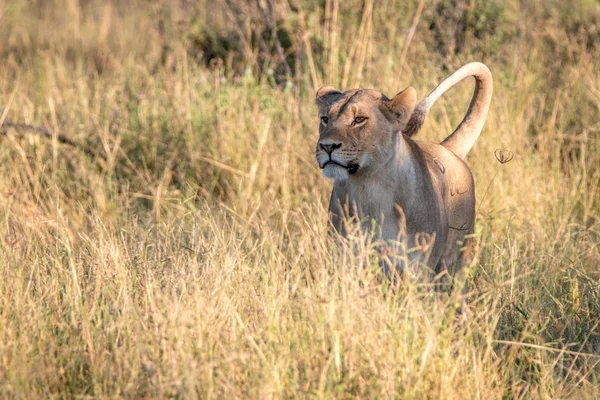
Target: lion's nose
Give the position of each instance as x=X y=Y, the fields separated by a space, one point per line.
x=330 y=147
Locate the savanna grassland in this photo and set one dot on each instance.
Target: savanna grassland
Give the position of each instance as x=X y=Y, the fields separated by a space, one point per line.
x=163 y=223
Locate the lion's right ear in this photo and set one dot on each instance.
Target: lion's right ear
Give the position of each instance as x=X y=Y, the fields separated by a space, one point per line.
x=324 y=92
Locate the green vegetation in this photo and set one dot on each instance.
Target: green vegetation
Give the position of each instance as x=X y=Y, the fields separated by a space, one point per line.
x=184 y=254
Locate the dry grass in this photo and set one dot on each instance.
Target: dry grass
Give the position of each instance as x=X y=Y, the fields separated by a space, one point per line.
x=189 y=257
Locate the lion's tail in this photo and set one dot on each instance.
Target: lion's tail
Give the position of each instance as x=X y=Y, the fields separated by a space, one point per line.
x=465 y=135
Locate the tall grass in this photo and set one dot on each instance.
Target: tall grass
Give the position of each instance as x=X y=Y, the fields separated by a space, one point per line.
x=185 y=254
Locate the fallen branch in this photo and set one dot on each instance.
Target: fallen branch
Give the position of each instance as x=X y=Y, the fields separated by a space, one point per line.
x=8 y=128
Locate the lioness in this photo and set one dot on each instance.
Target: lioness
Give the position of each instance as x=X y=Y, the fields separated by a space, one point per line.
x=383 y=175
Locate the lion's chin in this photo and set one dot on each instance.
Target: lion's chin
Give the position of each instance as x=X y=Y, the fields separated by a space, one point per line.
x=334 y=171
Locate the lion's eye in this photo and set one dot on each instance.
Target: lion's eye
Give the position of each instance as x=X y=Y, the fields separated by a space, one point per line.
x=359 y=120
x=324 y=120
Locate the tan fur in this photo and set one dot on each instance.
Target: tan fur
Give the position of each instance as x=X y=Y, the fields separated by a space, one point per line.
x=377 y=169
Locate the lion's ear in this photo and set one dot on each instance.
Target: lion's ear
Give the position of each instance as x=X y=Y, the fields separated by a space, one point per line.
x=326 y=90
x=403 y=104
x=323 y=93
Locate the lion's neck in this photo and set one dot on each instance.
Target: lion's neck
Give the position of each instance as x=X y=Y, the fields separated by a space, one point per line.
x=375 y=192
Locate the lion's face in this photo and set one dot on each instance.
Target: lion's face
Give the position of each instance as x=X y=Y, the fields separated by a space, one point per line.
x=357 y=128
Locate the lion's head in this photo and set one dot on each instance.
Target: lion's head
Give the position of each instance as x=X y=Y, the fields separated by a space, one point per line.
x=357 y=128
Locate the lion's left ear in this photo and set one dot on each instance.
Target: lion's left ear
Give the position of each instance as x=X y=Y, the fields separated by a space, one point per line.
x=403 y=104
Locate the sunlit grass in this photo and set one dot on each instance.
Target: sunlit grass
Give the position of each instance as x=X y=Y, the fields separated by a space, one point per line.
x=190 y=257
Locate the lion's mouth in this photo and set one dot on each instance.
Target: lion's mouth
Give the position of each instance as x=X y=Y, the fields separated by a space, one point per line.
x=352 y=167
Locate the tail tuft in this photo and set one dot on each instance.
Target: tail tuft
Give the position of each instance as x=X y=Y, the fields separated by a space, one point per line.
x=415 y=122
